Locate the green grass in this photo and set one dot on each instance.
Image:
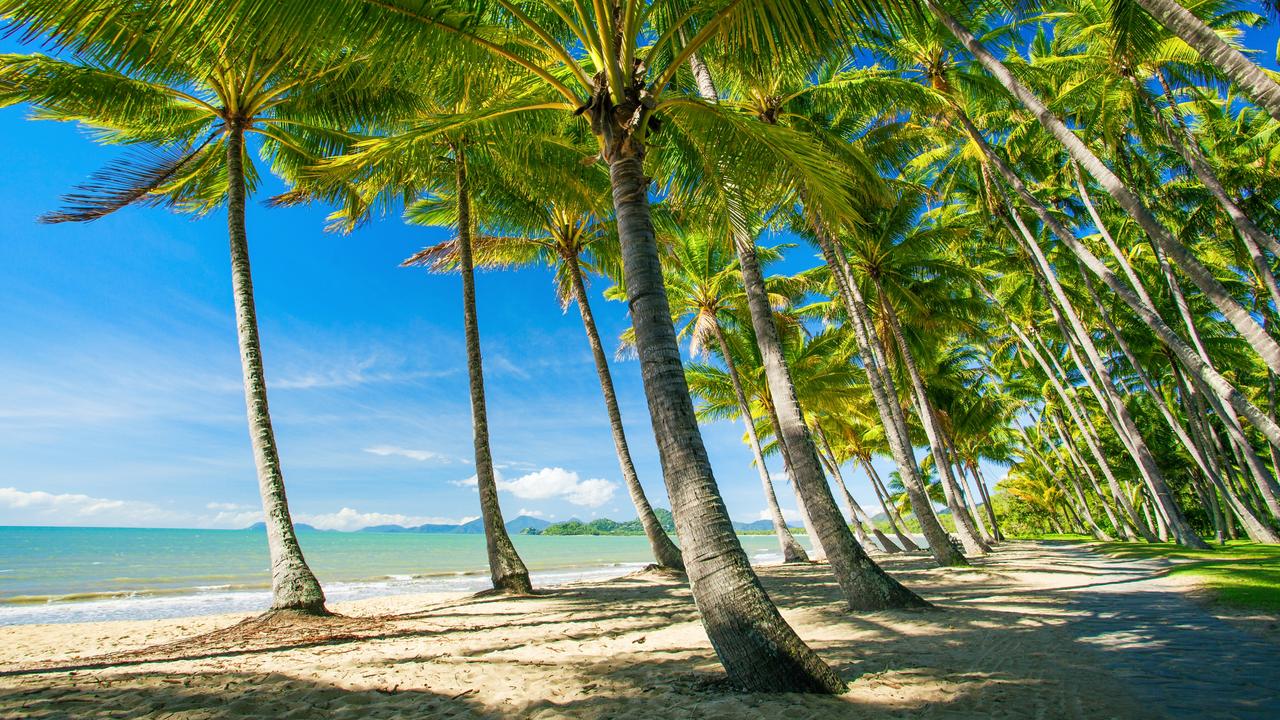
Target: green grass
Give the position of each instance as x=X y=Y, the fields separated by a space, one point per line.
x=1242 y=575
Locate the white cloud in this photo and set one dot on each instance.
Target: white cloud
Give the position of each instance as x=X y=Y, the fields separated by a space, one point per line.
x=419 y=455
x=534 y=513
x=351 y=519
x=556 y=482
x=788 y=514
x=471 y=482
x=38 y=507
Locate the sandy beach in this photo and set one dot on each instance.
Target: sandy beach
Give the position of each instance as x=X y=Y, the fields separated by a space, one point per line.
x=1019 y=635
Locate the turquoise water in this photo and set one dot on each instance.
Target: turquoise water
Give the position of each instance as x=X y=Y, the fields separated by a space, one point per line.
x=85 y=574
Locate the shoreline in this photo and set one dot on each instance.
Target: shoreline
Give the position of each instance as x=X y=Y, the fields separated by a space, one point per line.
x=1029 y=631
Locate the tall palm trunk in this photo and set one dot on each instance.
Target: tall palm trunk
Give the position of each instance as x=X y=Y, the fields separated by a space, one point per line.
x=792 y=551
x=896 y=523
x=816 y=553
x=759 y=651
x=665 y=552
x=865 y=584
x=1085 y=426
x=1106 y=394
x=1074 y=455
x=969 y=538
x=293 y=585
x=1235 y=433
x=1204 y=372
x=857 y=516
x=1262 y=343
x=886 y=400
x=986 y=502
x=506 y=569
x=1252 y=79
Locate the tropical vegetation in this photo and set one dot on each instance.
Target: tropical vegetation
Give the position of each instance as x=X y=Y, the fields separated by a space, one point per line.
x=941 y=236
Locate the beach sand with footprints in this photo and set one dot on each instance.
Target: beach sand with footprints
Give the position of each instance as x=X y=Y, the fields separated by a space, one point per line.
x=1036 y=630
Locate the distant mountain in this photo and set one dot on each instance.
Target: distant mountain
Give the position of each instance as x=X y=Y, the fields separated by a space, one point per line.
x=753 y=526
x=521 y=524
x=525 y=523
x=300 y=527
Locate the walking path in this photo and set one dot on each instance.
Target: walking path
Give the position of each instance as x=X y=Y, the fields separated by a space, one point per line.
x=1172 y=652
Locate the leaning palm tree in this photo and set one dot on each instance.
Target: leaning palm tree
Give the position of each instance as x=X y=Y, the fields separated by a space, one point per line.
x=571 y=236
x=612 y=65
x=189 y=117
x=419 y=160
x=702 y=286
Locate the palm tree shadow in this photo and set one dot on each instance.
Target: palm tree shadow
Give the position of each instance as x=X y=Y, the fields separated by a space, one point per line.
x=229 y=695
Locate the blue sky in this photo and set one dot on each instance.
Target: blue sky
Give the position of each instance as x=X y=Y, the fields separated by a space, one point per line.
x=120 y=394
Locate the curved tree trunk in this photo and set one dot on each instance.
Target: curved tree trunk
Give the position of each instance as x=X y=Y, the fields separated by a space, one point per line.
x=816 y=551
x=759 y=651
x=505 y=566
x=1203 y=372
x=792 y=551
x=865 y=584
x=1074 y=455
x=665 y=552
x=1262 y=343
x=1252 y=79
x=969 y=538
x=886 y=399
x=986 y=502
x=293 y=585
x=896 y=523
x=859 y=518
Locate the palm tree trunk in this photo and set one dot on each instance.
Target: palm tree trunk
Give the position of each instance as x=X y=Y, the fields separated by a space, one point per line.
x=293 y=586
x=886 y=399
x=1252 y=79
x=1236 y=314
x=792 y=551
x=759 y=651
x=858 y=516
x=816 y=553
x=1074 y=455
x=896 y=522
x=969 y=538
x=1082 y=422
x=506 y=569
x=1204 y=372
x=865 y=584
x=1252 y=237
x=986 y=502
x=665 y=552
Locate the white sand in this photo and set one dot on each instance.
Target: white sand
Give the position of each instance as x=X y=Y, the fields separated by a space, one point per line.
x=624 y=648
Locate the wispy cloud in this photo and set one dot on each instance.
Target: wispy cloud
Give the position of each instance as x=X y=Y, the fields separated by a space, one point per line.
x=36 y=507
x=349 y=519
x=419 y=455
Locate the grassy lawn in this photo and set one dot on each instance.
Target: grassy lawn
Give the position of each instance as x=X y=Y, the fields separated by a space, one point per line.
x=1241 y=574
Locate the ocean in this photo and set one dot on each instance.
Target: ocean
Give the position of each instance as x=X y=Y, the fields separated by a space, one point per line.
x=63 y=574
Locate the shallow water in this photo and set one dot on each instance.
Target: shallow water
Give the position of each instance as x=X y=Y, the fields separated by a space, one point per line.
x=50 y=575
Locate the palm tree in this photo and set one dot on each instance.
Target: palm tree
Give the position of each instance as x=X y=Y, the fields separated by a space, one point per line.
x=569 y=236
x=1255 y=81
x=613 y=66
x=864 y=583
x=702 y=287
x=189 y=115
x=506 y=569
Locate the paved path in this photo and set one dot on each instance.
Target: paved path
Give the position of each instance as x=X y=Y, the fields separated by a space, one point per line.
x=1176 y=656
